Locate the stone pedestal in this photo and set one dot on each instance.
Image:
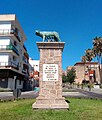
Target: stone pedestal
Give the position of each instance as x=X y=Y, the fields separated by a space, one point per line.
x=50 y=83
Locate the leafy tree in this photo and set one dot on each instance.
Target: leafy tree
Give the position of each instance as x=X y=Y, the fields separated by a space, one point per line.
x=71 y=74
x=64 y=78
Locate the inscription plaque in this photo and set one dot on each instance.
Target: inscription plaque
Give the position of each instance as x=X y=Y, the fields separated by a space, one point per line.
x=50 y=72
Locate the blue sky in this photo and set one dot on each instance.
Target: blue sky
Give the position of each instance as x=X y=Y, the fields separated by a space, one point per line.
x=76 y=21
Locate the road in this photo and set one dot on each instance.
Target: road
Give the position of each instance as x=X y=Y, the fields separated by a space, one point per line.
x=85 y=93
x=79 y=93
x=95 y=93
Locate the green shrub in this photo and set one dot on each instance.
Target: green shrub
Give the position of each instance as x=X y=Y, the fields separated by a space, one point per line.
x=101 y=86
x=5 y=90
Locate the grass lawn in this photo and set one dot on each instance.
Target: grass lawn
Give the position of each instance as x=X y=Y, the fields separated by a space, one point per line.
x=80 y=109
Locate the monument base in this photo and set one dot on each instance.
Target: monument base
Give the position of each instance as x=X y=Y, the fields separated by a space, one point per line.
x=50 y=104
x=50 y=82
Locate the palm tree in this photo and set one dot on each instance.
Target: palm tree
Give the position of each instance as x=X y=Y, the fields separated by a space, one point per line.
x=97 y=49
x=83 y=59
x=89 y=55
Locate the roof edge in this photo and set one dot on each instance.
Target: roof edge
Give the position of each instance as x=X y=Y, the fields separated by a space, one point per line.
x=85 y=63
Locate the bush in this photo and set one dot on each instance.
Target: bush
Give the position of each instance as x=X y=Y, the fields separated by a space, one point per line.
x=101 y=86
x=5 y=90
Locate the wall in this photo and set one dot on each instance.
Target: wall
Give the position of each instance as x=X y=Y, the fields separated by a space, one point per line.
x=4 y=59
x=4 y=41
x=19 y=84
x=3 y=82
x=34 y=64
x=80 y=72
x=11 y=83
x=5 y=27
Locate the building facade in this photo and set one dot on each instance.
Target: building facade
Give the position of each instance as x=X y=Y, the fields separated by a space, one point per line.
x=14 y=59
x=87 y=71
x=34 y=72
x=34 y=64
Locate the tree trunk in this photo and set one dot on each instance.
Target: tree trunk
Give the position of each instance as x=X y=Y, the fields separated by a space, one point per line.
x=101 y=76
x=100 y=71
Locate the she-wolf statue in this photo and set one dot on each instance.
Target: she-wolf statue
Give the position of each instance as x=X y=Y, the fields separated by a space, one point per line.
x=46 y=35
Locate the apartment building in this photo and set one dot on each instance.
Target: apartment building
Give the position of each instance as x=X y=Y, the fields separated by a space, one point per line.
x=14 y=59
x=34 y=64
x=34 y=73
x=87 y=71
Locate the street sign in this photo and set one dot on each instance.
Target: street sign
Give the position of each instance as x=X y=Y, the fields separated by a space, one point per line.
x=16 y=93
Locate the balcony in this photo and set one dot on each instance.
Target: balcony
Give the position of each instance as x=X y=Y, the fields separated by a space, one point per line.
x=25 y=69
x=9 y=32
x=8 y=64
x=26 y=55
x=5 y=31
x=25 y=72
x=25 y=60
x=9 y=47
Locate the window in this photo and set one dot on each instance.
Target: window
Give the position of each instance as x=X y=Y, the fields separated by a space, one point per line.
x=14 y=58
x=15 y=43
x=16 y=31
x=20 y=82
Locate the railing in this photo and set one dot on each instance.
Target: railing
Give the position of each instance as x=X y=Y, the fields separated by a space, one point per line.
x=25 y=72
x=5 y=31
x=8 y=32
x=9 y=64
x=9 y=47
x=25 y=60
x=24 y=47
x=26 y=55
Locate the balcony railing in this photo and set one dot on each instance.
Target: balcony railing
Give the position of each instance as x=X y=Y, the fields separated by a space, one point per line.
x=26 y=55
x=9 y=47
x=5 y=31
x=25 y=59
x=8 y=32
x=25 y=72
x=9 y=64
